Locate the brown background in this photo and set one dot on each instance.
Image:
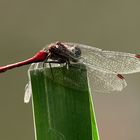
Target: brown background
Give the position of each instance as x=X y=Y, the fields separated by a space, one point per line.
x=27 y=25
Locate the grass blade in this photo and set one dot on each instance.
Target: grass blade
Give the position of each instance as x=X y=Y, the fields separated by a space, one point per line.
x=62 y=107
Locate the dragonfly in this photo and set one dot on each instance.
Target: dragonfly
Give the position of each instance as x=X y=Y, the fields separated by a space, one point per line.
x=105 y=68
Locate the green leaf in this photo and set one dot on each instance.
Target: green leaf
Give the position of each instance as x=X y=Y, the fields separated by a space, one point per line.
x=62 y=105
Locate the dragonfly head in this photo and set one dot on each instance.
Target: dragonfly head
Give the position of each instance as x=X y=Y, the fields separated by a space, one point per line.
x=75 y=53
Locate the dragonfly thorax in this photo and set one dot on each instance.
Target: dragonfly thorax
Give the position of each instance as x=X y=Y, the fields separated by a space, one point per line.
x=62 y=52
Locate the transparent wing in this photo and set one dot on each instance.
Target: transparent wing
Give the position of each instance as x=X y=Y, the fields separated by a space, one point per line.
x=108 y=61
x=105 y=82
x=99 y=81
x=28 y=92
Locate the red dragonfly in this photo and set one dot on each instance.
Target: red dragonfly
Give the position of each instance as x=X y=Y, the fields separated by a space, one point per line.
x=105 y=68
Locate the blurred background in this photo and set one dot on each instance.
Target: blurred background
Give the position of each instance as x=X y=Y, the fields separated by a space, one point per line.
x=27 y=25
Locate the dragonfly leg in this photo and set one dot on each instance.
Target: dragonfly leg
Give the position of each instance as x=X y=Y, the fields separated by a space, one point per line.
x=53 y=62
x=67 y=64
x=43 y=64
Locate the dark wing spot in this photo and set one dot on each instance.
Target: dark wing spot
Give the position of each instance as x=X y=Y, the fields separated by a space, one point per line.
x=120 y=76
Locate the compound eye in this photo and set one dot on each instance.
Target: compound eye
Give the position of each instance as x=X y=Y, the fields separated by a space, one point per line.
x=76 y=51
